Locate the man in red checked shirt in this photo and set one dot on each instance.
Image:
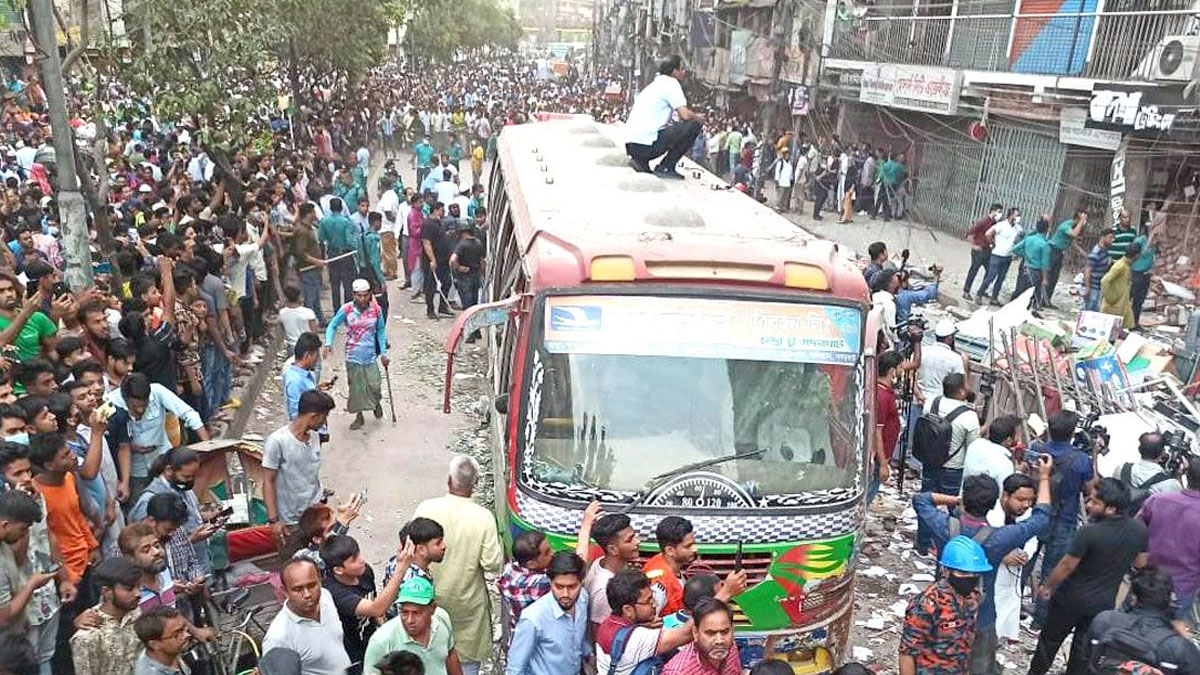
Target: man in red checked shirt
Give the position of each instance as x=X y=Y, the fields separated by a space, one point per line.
x=677 y=550
x=713 y=651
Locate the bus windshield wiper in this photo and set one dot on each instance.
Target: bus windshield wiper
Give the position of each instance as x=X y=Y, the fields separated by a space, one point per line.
x=707 y=463
x=661 y=478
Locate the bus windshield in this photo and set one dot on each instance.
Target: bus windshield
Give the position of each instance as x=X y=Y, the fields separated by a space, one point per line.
x=632 y=388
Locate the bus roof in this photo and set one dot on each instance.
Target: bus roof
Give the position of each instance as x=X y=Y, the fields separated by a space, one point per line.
x=571 y=189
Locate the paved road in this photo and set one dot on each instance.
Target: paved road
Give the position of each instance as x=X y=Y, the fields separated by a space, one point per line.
x=398 y=464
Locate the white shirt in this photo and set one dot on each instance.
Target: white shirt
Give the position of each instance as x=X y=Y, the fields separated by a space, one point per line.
x=990 y=459
x=238 y=267
x=388 y=201
x=887 y=303
x=319 y=642
x=595 y=583
x=642 y=644
x=1005 y=236
x=402 y=213
x=446 y=191
x=964 y=428
x=652 y=109
x=783 y=173
x=294 y=321
x=464 y=203
x=937 y=361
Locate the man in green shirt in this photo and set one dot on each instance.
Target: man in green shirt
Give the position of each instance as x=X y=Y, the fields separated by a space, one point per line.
x=338 y=235
x=891 y=174
x=1123 y=236
x=1036 y=251
x=456 y=152
x=733 y=143
x=423 y=154
x=1065 y=235
x=422 y=628
x=23 y=325
x=1140 y=268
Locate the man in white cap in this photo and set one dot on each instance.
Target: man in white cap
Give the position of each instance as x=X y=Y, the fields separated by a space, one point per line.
x=366 y=341
x=939 y=360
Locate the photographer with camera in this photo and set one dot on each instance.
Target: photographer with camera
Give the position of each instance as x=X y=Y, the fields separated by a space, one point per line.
x=890 y=292
x=1147 y=476
x=1074 y=474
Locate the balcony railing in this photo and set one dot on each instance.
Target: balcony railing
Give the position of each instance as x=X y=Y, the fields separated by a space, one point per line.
x=1101 y=45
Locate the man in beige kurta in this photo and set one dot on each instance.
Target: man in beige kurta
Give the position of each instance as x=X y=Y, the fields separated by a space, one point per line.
x=472 y=549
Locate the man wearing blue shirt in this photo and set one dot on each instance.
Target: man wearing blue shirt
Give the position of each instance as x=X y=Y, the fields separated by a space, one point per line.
x=301 y=376
x=551 y=636
x=649 y=133
x=1078 y=475
x=142 y=409
x=1002 y=545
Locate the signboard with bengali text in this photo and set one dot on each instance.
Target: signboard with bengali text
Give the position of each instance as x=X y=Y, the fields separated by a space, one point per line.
x=703 y=328
x=924 y=88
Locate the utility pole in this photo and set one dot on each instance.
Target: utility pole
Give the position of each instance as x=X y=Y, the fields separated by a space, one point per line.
x=782 y=16
x=69 y=198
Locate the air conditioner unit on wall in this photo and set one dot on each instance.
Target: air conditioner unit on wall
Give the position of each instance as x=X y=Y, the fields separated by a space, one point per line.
x=1173 y=59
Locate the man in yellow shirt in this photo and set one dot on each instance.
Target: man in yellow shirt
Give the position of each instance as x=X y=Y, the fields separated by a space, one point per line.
x=477 y=161
x=1115 y=286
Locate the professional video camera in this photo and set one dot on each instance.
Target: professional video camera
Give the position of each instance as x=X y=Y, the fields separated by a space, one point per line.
x=909 y=332
x=1178 y=449
x=1090 y=436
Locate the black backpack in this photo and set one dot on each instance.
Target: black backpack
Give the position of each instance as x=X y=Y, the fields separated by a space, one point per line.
x=1130 y=644
x=934 y=434
x=1139 y=493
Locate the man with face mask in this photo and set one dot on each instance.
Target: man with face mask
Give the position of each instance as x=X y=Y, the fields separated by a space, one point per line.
x=1001 y=544
x=1003 y=237
x=939 y=624
x=175 y=473
x=111 y=646
x=551 y=636
x=981 y=246
x=1085 y=581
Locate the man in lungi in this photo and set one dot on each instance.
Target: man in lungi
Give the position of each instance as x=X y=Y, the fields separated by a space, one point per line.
x=366 y=341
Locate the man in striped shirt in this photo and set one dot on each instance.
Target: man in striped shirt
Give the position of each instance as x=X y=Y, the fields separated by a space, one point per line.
x=1098 y=262
x=1123 y=236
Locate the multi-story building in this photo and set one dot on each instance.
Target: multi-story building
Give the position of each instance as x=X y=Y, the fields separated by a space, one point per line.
x=1048 y=105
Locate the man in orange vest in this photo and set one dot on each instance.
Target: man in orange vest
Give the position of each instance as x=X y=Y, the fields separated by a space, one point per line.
x=677 y=550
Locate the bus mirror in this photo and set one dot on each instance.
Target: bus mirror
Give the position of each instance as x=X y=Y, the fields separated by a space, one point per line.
x=502 y=404
x=468 y=323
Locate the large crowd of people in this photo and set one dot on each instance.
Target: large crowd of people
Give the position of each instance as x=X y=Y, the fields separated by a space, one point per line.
x=105 y=547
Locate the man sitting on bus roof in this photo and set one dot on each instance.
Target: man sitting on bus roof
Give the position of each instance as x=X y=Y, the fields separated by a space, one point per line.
x=649 y=132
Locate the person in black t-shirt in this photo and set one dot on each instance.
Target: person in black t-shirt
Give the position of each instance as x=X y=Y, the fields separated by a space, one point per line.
x=435 y=262
x=467 y=261
x=351 y=583
x=1089 y=574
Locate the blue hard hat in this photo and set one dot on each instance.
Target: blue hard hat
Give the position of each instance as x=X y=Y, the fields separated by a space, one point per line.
x=965 y=555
